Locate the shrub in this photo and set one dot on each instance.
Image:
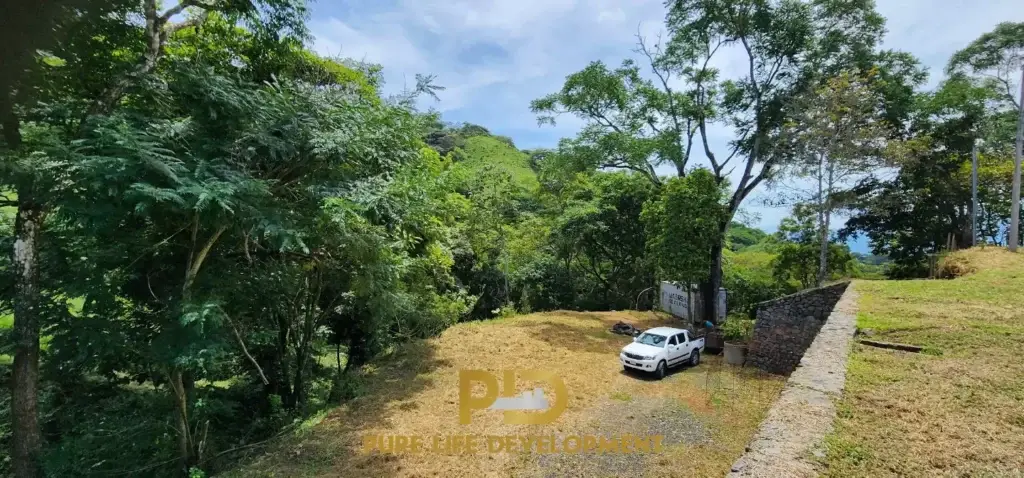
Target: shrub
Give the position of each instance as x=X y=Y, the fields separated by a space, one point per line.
x=748 y=286
x=505 y=139
x=737 y=329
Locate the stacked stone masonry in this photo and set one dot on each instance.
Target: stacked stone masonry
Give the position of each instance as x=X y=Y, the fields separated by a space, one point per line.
x=786 y=326
x=791 y=438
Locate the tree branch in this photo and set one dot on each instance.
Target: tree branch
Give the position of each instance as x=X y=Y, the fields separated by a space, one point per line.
x=197 y=263
x=1009 y=89
x=753 y=78
x=245 y=350
x=707 y=148
x=702 y=118
x=157 y=32
x=191 y=22
x=648 y=170
x=672 y=111
x=180 y=7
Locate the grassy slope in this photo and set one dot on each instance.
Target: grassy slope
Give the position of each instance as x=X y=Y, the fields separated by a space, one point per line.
x=482 y=151
x=957 y=409
x=415 y=392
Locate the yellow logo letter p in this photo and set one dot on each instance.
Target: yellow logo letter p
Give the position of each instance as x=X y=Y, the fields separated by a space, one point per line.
x=467 y=402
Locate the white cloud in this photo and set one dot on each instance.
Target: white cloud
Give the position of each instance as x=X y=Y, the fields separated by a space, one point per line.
x=539 y=40
x=934 y=29
x=377 y=41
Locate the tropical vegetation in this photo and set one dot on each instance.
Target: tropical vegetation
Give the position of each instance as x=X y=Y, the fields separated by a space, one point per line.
x=211 y=227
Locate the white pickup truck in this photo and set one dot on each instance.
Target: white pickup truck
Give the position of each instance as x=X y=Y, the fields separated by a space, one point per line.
x=659 y=348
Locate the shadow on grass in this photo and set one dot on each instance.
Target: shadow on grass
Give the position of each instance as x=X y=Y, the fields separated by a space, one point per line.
x=333 y=448
x=650 y=377
x=574 y=338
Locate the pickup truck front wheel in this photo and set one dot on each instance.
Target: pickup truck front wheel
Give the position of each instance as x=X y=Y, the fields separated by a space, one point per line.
x=695 y=358
x=660 y=371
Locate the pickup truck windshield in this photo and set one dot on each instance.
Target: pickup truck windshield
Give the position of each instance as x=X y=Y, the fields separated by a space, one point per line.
x=652 y=339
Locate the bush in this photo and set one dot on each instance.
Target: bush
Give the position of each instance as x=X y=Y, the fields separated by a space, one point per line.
x=747 y=287
x=505 y=139
x=737 y=329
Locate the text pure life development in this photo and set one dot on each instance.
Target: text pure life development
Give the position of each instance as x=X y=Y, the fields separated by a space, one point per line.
x=470 y=444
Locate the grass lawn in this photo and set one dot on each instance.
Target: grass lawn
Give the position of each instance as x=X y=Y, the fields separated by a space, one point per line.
x=958 y=408
x=415 y=392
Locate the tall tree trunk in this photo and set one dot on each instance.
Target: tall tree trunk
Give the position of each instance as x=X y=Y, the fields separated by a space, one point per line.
x=302 y=361
x=282 y=381
x=823 y=253
x=304 y=354
x=25 y=258
x=335 y=395
x=714 y=281
x=186 y=445
x=1013 y=238
x=25 y=380
x=182 y=382
x=823 y=219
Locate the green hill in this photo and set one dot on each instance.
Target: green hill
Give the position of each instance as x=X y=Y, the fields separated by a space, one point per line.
x=484 y=151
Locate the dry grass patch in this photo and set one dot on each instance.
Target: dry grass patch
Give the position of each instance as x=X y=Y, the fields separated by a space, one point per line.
x=958 y=408
x=415 y=392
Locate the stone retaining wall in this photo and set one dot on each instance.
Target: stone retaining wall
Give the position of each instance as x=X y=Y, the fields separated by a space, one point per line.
x=791 y=435
x=786 y=326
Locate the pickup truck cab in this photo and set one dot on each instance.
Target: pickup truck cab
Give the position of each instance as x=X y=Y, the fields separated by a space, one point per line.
x=659 y=348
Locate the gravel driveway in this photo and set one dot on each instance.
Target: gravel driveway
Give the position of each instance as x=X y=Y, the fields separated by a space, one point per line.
x=639 y=416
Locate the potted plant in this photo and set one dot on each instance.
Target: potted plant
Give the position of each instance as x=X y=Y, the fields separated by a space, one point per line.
x=737 y=333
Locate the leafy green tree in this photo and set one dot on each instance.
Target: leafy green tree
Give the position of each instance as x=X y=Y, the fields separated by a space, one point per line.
x=798 y=258
x=175 y=162
x=925 y=207
x=688 y=207
x=997 y=55
x=633 y=123
x=601 y=238
x=837 y=137
x=788 y=46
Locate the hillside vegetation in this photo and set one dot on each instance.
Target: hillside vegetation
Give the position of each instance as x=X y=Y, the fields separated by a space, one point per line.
x=957 y=409
x=484 y=152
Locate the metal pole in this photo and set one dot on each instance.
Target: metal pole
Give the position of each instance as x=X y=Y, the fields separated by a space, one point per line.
x=974 y=194
x=1015 y=197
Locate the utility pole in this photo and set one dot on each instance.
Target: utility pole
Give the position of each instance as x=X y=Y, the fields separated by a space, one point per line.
x=1015 y=197
x=974 y=194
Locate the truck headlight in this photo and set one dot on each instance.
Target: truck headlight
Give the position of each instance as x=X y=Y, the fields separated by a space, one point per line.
x=648 y=357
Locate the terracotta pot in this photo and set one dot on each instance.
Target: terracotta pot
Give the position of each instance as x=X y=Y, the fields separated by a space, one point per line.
x=735 y=354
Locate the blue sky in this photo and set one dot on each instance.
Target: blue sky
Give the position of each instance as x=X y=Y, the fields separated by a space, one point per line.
x=495 y=56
